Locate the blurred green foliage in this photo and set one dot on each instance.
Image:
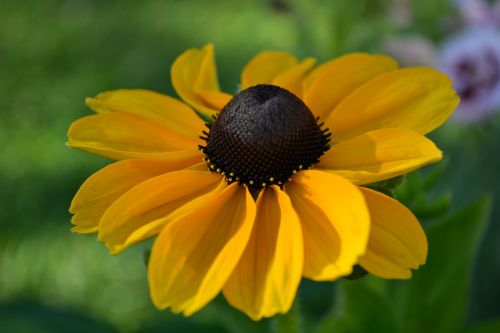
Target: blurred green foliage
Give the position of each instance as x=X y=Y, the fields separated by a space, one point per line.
x=54 y=53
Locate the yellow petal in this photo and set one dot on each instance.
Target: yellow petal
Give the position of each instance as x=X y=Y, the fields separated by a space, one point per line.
x=292 y=79
x=397 y=241
x=416 y=98
x=266 y=279
x=160 y=109
x=333 y=81
x=202 y=166
x=379 y=155
x=335 y=223
x=153 y=228
x=215 y=99
x=194 y=73
x=265 y=67
x=149 y=201
x=119 y=135
x=194 y=255
x=104 y=187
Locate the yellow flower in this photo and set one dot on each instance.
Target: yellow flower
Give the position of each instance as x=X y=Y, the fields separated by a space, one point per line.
x=279 y=195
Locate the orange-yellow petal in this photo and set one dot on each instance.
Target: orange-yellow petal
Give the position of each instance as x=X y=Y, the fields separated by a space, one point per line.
x=151 y=200
x=397 y=242
x=379 y=155
x=420 y=99
x=154 y=227
x=292 y=79
x=104 y=187
x=266 y=278
x=215 y=99
x=161 y=109
x=194 y=255
x=194 y=77
x=119 y=135
x=335 y=223
x=330 y=83
x=265 y=67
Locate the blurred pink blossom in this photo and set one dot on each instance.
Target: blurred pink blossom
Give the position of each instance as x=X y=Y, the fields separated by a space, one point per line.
x=480 y=12
x=472 y=59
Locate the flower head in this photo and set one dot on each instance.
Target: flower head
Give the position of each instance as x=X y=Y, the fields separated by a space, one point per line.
x=263 y=136
x=472 y=59
x=480 y=13
x=273 y=190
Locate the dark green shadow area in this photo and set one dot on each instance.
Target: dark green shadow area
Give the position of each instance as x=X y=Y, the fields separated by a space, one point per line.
x=30 y=316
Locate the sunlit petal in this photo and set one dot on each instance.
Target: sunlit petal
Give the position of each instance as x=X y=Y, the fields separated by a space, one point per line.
x=194 y=77
x=327 y=85
x=397 y=242
x=265 y=280
x=194 y=255
x=335 y=223
x=119 y=135
x=149 y=201
x=265 y=67
x=379 y=155
x=161 y=109
x=104 y=187
x=420 y=99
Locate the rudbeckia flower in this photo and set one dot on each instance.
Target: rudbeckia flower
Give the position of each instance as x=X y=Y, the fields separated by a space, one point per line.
x=269 y=191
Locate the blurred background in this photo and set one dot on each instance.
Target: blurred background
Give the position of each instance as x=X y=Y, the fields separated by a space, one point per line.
x=54 y=53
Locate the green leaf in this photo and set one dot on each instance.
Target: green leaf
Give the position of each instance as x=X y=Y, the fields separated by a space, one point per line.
x=335 y=324
x=410 y=188
x=414 y=193
x=431 y=178
x=389 y=184
x=290 y=322
x=427 y=209
x=435 y=299
x=235 y=321
x=490 y=327
x=359 y=309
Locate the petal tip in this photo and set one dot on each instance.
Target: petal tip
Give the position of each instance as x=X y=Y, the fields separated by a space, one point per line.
x=209 y=48
x=89 y=101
